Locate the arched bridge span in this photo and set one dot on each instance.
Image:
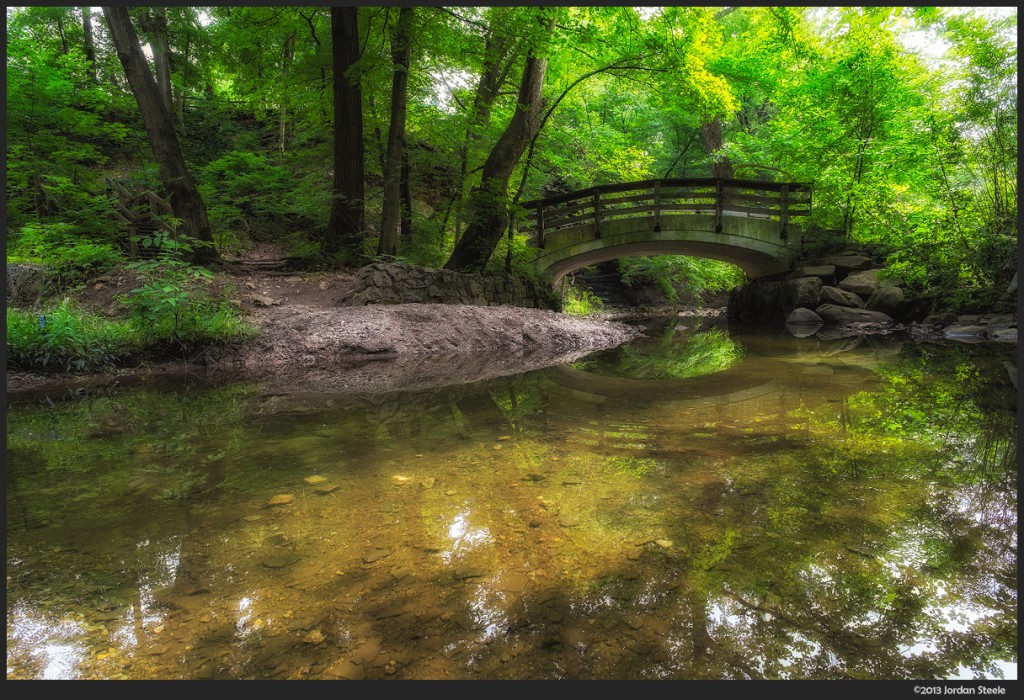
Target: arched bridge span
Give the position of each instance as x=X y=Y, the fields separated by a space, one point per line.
x=745 y=222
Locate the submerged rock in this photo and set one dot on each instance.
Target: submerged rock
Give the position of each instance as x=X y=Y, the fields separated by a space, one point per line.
x=802 y=317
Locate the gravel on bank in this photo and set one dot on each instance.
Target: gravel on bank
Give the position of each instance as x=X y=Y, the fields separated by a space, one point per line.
x=389 y=347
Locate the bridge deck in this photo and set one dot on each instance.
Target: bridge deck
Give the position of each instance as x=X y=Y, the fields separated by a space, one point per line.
x=573 y=227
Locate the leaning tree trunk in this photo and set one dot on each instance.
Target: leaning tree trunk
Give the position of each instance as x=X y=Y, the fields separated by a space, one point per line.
x=174 y=174
x=346 y=227
x=392 y=207
x=488 y=206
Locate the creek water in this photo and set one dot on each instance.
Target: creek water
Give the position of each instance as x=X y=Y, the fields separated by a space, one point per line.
x=697 y=504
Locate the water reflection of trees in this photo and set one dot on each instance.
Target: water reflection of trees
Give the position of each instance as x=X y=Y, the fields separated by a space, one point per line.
x=876 y=540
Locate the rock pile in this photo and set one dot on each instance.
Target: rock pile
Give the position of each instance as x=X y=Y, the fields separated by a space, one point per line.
x=850 y=293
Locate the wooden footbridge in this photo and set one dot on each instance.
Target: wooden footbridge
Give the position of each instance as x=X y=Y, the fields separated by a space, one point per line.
x=745 y=222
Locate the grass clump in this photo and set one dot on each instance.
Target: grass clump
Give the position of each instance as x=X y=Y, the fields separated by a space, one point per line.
x=66 y=339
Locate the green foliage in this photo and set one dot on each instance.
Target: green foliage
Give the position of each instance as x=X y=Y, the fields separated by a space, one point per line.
x=580 y=302
x=65 y=339
x=61 y=127
x=680 y=356
x=674 y=274
x=247 y=198
x=165 y=294
x=168 y=307
x=914 y=157
x=68 y=255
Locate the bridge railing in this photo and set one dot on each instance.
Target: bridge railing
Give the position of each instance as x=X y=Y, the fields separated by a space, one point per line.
x=595 y=206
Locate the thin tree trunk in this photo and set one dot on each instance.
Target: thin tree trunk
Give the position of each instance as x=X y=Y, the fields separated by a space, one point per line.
x=378 y=138
x=347 y=225
x=174 y=174
x=288 y=53
x=63 y=36
x=488 y=204
x=179 y=101
x=90 y=46
x=392 y=207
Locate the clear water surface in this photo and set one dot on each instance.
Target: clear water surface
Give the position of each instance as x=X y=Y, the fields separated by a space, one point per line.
x=694 y=505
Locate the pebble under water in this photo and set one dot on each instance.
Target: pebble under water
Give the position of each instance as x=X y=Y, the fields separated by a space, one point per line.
x=693 y=505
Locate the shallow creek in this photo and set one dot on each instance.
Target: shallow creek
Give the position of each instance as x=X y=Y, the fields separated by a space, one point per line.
x=697 y=504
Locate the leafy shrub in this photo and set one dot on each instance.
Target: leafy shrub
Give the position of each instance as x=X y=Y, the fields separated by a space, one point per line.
x=167 y=307
x=64 y=250
x=165 y=294
x=246 y=197
x=673 y=274
x=580 y=302
x=65 y=339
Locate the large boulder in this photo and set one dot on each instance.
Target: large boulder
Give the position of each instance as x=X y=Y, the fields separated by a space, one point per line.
x=825 y=272
x=840 y=297
x=804 y=291
x=865 y=282
x=960 y=331
x=888 y=300
x=1005 y=335
x=940 y=320
x=831 y=313
x=849 y=262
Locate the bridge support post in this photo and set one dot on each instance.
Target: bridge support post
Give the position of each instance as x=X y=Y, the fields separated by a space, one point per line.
x=597 y=215
x=657 y=206
x=784 y=213
x=718 y=205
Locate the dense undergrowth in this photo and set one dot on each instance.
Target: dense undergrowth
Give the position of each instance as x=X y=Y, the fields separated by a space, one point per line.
x=167 y=315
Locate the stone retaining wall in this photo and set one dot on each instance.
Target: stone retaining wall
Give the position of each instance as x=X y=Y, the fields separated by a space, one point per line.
x=399 y=283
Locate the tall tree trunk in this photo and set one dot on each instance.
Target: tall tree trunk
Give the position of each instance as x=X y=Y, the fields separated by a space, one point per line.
x=406 y=227
x=90 y=46
x=174 y=175
x=346 y=228
x=63 y=36
x=392 y=207
x=155 y=24
x=488 y=205
x=498 y=60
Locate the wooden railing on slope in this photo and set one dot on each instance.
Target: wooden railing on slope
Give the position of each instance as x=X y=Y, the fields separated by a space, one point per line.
x=142 y=214
x=775 y=201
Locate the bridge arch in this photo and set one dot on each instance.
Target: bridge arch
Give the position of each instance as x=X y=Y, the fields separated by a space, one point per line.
x=744 y=222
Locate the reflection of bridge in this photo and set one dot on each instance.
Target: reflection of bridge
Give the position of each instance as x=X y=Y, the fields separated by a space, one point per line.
x=743 y=222
x=828 y=372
